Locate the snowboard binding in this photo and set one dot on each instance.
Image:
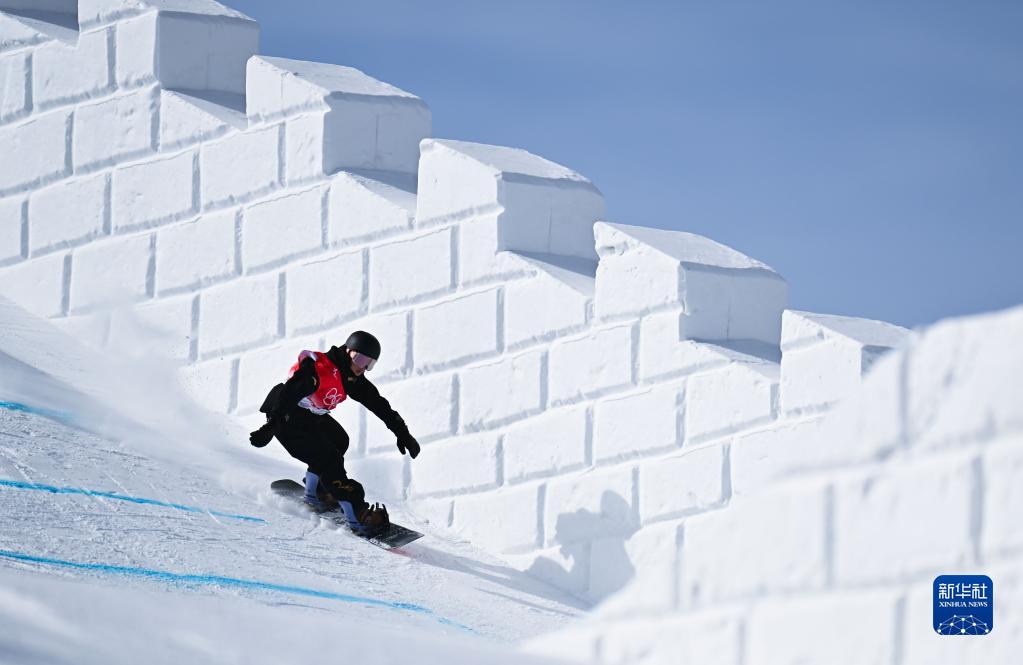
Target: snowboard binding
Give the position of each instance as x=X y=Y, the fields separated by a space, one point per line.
x=371 y=521
x=375 y=517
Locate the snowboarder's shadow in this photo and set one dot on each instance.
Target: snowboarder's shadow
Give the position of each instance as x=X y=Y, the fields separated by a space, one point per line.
x=595 y=544
x=577 y=534
x=499 y=574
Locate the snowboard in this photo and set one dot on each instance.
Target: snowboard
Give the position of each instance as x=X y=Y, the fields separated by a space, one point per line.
x=393 y=536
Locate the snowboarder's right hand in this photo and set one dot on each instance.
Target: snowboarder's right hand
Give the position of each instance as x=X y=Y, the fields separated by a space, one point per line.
x=408 y=441
x=261 y=436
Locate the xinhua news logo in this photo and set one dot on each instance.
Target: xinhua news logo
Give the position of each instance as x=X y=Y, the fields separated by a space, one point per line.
x=964 y=605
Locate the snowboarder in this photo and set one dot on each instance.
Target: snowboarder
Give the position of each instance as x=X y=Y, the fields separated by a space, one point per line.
x=298 y=414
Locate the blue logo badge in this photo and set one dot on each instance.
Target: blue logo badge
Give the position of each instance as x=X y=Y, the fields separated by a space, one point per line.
x=964 y=605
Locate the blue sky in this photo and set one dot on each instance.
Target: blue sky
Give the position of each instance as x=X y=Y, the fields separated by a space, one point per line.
x=869 y=151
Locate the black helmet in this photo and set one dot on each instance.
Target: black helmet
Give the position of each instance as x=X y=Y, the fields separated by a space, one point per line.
x=364 y=343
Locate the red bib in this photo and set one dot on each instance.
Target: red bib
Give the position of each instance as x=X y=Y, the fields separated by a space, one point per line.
x=330 y=392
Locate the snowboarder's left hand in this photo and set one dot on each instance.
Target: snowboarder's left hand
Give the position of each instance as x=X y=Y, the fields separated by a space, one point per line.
x=408 y=441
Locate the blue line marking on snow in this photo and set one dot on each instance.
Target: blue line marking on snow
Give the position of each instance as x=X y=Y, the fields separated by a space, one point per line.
x=22 y=485
x=218 y=580
x=47 y=413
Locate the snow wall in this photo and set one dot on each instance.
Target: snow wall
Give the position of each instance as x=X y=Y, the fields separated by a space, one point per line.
x=828 y=549
x=583 y=389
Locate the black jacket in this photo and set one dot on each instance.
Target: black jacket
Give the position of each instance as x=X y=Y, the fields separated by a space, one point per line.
x=304 y=382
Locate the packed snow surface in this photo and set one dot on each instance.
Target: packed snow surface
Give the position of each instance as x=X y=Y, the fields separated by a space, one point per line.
x=142 y=545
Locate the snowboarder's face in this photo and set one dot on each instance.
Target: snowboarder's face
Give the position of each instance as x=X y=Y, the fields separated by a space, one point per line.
x=360 y=362
x=356 y=369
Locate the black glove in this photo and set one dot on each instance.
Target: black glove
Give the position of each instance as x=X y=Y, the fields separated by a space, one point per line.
x=408 y=441
x=262 y=436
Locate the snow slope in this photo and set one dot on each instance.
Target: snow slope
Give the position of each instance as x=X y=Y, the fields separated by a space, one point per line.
x=117 y=547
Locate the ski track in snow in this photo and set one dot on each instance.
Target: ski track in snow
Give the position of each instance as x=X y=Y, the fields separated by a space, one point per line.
x=77 y=506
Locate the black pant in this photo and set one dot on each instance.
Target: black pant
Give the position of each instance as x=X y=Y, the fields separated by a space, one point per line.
x=321 y=443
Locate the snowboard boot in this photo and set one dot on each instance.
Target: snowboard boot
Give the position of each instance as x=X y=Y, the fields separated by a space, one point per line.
x=370 y=522
x=315 y=498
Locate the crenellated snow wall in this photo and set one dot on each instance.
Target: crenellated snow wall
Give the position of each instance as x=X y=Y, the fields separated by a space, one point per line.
x=828 y=550
x=581 y=387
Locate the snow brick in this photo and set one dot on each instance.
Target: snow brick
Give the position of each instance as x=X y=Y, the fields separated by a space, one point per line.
x=544 y=445
x=540 y=206
x=407 y=270
x=724 y=294
x=456 y=330
x=323 y=291
x=37 y=285
x=195 y=253
x=557 y=299
x=824 y=357
x=731 y=398
x=515 y=381
x=112 y=271
x=281 y=228
x=463 y=464
x=68 y=213
x=367 y=205
x=682 y=484
x=637 y=423
x=223 y=182
x=63 y=72
x=238 y=314
x=115 y=129
x=427 y=404
x=189 y=50
x=357 y=122
x=586 y=366
x=506 y=520
x=14 y=86
x=153 y=192
x=36 y=150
